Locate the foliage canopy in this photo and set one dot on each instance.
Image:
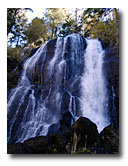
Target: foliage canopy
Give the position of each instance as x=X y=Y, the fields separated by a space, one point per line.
x=100 y=23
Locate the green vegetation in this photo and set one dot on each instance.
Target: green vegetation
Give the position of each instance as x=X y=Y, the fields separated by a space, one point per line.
x=16 y=25
x=70 y=26
x=55 y=17
x=13 y=58
x=102 y=23
x=36 y=31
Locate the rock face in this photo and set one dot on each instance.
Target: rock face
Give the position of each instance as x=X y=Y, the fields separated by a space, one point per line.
x=83 y=134
x=110 y=139
x=86 y=131
x=44 y=102
x=15 y=69
x=83 y=129
x=36 y=145
x=63 y=125
x=46 y=87
x=111 y=71
x=81 y=138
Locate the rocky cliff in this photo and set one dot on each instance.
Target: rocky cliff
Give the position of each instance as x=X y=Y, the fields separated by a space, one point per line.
x=44 y=101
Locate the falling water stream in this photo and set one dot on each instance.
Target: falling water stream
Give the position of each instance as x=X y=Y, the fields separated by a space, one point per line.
x=72 y=80
x=94 y=93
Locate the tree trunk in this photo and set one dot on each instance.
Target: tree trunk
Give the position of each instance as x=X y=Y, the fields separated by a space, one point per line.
x=115 y=15
x=76 y=15
x=17 y=43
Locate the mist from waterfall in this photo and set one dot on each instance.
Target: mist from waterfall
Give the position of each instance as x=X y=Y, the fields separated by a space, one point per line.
x=94 y=94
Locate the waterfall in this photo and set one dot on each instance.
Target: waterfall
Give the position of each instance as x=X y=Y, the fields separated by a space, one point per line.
x=28 y=116
x=63 y=75
x=46 y=88
x=94 y=95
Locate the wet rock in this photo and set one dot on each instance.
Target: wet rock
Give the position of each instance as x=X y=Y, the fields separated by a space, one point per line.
x=60 y=92
x=113 y=51
x=17 y=120
x=53 y=129
x=65 y=122
x=81 y=138
x=111 y=68
x=25 y=52
x=76 y=85
x=66 y=119
x=63 y=125
x=111 y=72
x=66 y=100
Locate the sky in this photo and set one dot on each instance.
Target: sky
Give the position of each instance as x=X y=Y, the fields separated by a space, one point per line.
x=38 y=12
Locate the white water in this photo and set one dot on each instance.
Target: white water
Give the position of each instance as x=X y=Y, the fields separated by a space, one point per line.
x=94 y=94
x=39 y=113
x=64 y=69
x=35 y=117
x=29 y=66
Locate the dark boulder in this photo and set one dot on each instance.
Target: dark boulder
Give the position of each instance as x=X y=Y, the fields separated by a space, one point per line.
x=37 y=145
x=18 y=148
x=110 y=139
x=82 y=134
x=66 y=119
x=65 y=122
x=81 y=138
x=53 y=129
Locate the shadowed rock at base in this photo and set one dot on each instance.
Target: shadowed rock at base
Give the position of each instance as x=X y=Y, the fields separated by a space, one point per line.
x=81 y=138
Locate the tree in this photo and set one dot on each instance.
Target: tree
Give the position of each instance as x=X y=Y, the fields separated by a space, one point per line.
x=11 y=18
x=55 y=18
x=91 y=16
x=16 y=24
x=36 y=30
x=108 y=30
x=76 y=14
x=102 y=23
x=70 y=26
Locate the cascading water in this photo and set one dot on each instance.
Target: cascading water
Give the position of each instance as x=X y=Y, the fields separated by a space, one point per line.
x=52 y=82
x=23 y=106
x=46 y=88
x=94 y=95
